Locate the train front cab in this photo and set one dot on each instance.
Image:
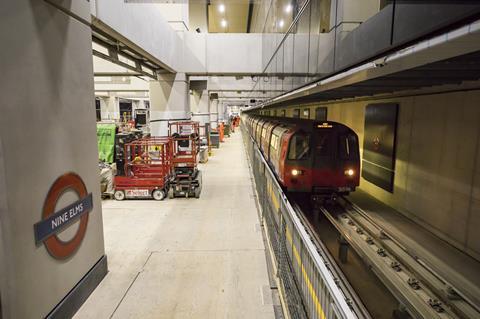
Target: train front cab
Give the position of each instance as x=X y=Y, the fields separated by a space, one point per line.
x=297 y=159
x=336 y=158
x=323 y=160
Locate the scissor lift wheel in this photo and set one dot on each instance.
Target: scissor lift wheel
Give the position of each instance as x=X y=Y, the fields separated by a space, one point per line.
x=119 y=195
x=158 y=194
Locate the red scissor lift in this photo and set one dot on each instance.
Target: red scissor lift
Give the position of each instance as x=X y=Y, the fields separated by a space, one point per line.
x=148 y=169
x=187 y=181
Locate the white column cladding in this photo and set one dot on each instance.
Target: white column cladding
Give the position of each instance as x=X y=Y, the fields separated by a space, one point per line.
x=112 y=108
x=199 y=106
x=169 y=100
x=103 y=108
x=221 y=111
x=214 y=113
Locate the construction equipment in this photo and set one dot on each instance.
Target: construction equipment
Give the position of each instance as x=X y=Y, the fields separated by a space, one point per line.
x=187 y=179
x=148 y=167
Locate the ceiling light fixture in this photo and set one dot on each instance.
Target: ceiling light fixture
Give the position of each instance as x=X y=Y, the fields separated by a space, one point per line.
x=224 y=23
x=288 y=8
x=221 y=8
x=281 y=23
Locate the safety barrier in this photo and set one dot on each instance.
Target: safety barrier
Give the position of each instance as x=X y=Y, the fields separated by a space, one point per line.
x=308 y=288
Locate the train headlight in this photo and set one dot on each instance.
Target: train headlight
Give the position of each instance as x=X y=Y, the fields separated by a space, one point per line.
x=296 y=172
x=349 y=172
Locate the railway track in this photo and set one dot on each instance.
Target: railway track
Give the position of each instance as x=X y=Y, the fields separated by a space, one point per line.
x=420 y=290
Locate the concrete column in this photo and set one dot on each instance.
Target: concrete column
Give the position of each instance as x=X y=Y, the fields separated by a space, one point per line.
x=169 y=100
x=103 y=108
x=214 y=113
x=48 y=161
x=221 y=111
x=199 y=106
x=141 y=104
x=110 y=108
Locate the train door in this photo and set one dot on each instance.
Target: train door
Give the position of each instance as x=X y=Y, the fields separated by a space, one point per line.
x=324 y=163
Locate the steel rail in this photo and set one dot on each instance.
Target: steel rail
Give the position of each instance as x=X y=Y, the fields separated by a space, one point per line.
x=420 y=290
x=452 y=296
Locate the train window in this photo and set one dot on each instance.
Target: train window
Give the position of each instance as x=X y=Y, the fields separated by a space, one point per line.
x=347 y=147
x=282 y=113
x=306 y=113
x=274 y=141
x=296 y=113
x=299 y=146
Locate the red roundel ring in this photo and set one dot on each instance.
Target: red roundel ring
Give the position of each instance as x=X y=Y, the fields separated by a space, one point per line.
x=57 y=248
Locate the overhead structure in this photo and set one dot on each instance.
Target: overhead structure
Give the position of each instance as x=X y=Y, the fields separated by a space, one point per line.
x=449 y=59
x=111 y=46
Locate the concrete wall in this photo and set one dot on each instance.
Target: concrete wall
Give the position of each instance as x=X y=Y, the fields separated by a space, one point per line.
x=234 y=53
x=437 y=168
x=221 y=53
x=197 y=16
x=176 y=14
x=47 y=128
x=169 y=100
x=144 y=26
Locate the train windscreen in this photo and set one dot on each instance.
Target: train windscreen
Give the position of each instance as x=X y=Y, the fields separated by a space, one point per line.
x=348 y=147
x=323 y=148
x=299 y=146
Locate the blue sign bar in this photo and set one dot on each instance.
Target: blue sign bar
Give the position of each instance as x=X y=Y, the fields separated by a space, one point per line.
x=62 y=218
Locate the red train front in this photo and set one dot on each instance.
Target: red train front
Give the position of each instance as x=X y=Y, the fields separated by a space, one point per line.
x=307 y=155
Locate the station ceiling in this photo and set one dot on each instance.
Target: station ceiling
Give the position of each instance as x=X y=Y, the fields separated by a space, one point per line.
x=235 y=13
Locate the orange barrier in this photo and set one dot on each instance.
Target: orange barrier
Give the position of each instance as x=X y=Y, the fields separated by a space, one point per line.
x=221 y=131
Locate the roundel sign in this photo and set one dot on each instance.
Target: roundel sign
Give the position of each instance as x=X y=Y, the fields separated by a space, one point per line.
x=54 y=222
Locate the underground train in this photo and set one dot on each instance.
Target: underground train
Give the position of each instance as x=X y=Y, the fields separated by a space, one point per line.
x=318 y=157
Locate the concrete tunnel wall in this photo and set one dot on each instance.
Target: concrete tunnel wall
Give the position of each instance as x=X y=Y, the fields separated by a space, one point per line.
x=437 y=168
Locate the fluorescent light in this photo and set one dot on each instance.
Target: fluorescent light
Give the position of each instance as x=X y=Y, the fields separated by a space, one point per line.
x=223 y=23
x=221 y=8
x=281 y=23
x=288 y=8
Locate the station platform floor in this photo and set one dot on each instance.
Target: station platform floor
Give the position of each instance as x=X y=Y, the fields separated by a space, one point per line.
x=187 y=258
